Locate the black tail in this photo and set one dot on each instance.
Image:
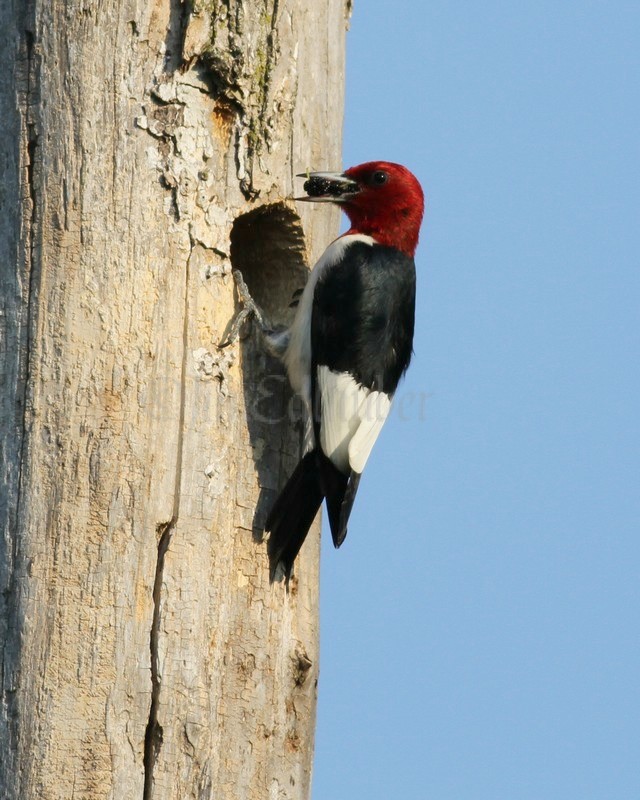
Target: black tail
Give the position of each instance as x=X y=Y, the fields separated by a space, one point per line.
x=292 y=514
x=314 y=478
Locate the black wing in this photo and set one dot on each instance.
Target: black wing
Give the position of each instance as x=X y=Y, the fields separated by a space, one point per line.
x=362 y=324
x=363 y=316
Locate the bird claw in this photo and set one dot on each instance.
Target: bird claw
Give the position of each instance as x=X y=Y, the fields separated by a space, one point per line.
x=249 y=309
x=295 y=298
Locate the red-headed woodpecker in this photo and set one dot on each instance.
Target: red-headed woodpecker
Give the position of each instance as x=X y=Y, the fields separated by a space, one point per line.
x=349 y=345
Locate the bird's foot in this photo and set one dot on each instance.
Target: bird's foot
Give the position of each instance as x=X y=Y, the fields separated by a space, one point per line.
x=250 y=309
x=276 y=340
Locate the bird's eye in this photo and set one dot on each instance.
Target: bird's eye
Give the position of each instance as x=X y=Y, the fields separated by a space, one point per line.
x=379 y=178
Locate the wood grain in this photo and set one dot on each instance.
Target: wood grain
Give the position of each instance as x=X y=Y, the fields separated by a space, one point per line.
x=144 y=652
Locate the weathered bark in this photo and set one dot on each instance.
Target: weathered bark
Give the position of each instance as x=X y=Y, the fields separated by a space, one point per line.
x=146 y=147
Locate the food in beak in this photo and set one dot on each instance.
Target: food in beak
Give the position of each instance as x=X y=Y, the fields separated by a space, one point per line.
x=321 y=186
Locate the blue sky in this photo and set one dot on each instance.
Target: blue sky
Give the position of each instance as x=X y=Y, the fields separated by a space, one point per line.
x=480 y=636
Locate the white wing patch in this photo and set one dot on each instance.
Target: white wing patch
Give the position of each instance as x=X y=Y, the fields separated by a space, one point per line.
x=352 y=418
x=373 y=412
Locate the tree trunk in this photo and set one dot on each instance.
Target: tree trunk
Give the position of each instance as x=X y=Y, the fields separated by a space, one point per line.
x=147 y=147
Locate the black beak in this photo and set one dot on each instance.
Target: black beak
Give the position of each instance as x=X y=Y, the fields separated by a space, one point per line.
x=327 y=187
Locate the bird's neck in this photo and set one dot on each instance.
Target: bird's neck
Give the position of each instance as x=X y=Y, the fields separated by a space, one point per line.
x=400 y=233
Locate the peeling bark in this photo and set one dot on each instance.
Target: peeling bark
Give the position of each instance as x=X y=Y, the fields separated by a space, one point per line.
x=146 y=150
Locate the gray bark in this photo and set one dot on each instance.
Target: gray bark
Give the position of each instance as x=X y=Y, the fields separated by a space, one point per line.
x=146 y=149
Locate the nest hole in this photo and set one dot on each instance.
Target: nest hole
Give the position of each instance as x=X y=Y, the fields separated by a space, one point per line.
x=268 y=247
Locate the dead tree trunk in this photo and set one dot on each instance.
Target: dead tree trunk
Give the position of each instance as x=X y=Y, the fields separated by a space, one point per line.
x=147 y=147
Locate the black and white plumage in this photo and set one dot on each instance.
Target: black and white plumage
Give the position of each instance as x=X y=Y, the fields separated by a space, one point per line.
x=348 y=347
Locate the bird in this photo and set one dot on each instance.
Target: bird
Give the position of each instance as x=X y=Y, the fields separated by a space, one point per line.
x=349 y=345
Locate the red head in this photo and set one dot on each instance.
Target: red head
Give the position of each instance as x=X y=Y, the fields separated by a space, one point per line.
x=381 y=199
